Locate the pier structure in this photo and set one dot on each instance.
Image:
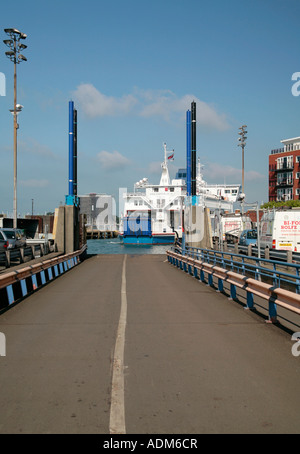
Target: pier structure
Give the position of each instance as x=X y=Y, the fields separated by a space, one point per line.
x=131 y=344
x=95 y=234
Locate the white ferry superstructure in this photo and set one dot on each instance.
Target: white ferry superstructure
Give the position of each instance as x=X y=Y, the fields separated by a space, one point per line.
x=153 y=213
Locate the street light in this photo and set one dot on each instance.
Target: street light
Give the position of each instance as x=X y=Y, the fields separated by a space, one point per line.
x=16 y=57
x=253 y=205
x=242 y=144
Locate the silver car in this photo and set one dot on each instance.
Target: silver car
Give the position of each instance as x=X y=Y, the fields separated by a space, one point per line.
x=14 y=238
x=3 y=243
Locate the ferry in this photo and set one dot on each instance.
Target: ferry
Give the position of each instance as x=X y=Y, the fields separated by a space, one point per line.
x=153 y=212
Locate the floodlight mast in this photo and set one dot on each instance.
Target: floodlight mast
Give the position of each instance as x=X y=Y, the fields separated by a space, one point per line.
x=242 y=144
x=16 y=57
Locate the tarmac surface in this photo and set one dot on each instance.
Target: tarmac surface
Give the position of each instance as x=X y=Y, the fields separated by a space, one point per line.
x=130 y=344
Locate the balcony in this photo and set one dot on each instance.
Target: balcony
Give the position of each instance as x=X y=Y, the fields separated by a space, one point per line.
x=285 y=182
x=285 y=166
x=278 y=150
x=284 y=197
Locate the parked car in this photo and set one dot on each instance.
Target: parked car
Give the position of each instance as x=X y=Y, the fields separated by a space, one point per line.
x=248 y=237
x=3 y=243
x=14 y=237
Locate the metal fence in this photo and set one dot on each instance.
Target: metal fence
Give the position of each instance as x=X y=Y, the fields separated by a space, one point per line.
x=279 y=274
x=206 y=264
x=19 y=255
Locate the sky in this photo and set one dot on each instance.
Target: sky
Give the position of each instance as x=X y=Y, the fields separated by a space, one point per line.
x=132 y=69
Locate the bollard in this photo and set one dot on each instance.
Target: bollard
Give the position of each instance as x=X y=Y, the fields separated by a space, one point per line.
x=267 y=253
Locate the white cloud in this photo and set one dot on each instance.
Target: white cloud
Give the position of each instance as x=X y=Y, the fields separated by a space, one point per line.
x=34 y=183
x=96 y=104
x=148 y=103
x=154 y=168
x=221 y=173
x=31 y=145
x=112 y=160
x=166 y=104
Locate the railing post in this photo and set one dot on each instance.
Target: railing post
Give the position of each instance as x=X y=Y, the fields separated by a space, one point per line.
x=232 y=292
x=22 y=254
x=272 y=312
x=249 y=300
x=10 y=294
x=202 y=277
x=297 y=281
x=195 y=272
x=220 y=285
x=7 y=253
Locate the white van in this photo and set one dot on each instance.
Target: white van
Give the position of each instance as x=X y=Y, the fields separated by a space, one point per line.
x=280 y=230
x=232 y=225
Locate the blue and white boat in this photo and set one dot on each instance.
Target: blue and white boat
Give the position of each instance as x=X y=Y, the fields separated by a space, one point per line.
x=153 y=212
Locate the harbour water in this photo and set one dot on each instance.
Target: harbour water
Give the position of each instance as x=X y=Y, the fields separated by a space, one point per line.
x=114 y=246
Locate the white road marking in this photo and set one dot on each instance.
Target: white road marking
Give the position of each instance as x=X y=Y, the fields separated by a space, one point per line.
x=117 y=407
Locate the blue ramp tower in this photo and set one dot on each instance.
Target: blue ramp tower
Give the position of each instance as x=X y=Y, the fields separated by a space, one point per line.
x=71 y=198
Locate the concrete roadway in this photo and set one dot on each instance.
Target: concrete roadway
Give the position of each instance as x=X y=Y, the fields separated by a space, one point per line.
x=194 y=362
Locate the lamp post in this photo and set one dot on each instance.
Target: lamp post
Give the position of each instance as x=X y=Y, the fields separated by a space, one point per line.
x=242 y=144
x=253 y=205
x=14 y=54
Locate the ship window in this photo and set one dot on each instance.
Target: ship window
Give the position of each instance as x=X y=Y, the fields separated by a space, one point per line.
x=171 y=189
x=155 y=189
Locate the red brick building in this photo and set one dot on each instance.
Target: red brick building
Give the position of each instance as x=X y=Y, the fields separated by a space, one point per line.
x=284 y=171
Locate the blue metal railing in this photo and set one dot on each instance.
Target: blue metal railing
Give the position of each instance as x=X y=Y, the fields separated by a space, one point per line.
x=259 y=268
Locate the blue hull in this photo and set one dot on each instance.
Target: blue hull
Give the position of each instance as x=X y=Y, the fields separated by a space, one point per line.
x=164 y=239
